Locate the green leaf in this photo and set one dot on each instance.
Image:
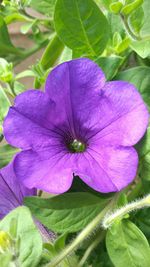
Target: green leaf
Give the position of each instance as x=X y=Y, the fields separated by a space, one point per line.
x=117 y=39
x=27 y=26
x=45 y=7
x=60 y=242
x=50 y=56
x=127 y=245
x=1 y=133
x=144 y=171
x=5 y=253
x=142 y=219
x=69 y=212
x=26 y=240
x=99 y=258
x=6 y=154
x=81 y=26
x=122 y=200
x=145 y=31
x=25 y=73
x=11 y=14
x=18 y=88
x=66 y=55
x=5 y=259
x=116 y=25
x=110 y=65
x=6 y=45
x=142 y=48
x=52 y=53
x=51 y=250
x=14 y=17
x=136 y=20
x=124 y=45
x=143 y=148
x=140 y=77
x=140 y=24
x=105 y=3
x=4 y=105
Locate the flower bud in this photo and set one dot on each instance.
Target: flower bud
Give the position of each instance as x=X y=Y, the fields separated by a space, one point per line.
x=5 y=241
x=6 y=74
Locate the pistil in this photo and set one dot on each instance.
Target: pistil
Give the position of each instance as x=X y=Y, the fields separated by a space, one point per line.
x=77 y=146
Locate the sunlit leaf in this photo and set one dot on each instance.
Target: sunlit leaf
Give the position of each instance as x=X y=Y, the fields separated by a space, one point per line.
x=82 y=27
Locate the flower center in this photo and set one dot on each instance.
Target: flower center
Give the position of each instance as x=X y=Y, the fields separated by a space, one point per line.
x=77 y=146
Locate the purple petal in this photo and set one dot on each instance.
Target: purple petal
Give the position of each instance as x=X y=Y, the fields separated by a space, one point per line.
x=44 y=170
x=27 y=123
x=124 y=116
x=109 y=169
x=74 y=86
x=11 y=191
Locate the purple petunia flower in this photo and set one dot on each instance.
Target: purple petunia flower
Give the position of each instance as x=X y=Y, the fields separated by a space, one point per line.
x=12 y=193
x=81 y=125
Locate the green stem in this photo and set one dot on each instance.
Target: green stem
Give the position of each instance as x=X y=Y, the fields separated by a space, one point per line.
x=128 y=30
x=95 y=243
x=82 y=235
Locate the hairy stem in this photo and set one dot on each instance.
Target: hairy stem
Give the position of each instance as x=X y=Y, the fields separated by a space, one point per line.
x=109 y=219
